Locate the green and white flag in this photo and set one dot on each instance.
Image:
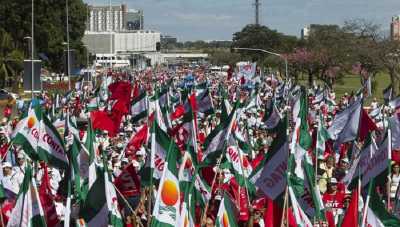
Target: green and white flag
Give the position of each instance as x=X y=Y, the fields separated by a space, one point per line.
x=93 y=104
x=217 y=140
x=40 y=139
x=377 y=215
x=226 y=214
x=300 y=217
x=322 y=137
x=27 y=210
x=140 y=107
x=167 y=206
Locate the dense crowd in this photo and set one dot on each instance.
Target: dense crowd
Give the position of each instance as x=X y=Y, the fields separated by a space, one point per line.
x=246 y=149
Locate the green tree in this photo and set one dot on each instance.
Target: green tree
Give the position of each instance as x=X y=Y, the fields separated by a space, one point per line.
x=10 y=59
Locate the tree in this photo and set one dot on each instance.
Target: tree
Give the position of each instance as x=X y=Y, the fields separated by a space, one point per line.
x=261 y=37
x=10 y=59
x=390 y=59
x=49 y=26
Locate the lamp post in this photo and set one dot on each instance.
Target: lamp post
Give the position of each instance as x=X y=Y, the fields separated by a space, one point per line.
x=67 y=43
x=268 y=52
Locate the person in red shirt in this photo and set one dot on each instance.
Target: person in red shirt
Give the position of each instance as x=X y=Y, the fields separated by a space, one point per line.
x=333 y=200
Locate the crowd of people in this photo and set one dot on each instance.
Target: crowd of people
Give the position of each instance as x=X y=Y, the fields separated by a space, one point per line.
x=108 y=165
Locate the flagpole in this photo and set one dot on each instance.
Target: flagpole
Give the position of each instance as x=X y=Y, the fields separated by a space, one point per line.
x=389 y=166
x=284 y=208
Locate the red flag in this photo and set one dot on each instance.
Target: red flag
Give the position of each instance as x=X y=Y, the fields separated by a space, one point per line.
x=179 y=112
x=46 y=199
x=101 y=120
x=128 y=182
x=137 y=140
x=273 y=214
x=136 y=91
x=351 y=215
x=366 y=125
x=120 y=90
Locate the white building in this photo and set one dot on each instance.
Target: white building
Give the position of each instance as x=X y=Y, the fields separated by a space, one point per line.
x=114 y=18
x=305 y=32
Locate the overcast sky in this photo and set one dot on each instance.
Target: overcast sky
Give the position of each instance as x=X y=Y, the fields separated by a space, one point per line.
x=219 y=19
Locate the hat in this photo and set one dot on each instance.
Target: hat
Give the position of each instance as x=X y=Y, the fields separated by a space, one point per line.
x=7 y=164
x=333 y=181
x=135 y=163
x=124 y=160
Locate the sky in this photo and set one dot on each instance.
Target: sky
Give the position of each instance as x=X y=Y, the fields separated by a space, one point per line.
x=219 y=19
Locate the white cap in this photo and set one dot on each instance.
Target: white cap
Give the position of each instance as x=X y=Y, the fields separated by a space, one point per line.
x=7 y=164
x=124 y=160
x=135 y=163
x=333 y=181
x=20 y=155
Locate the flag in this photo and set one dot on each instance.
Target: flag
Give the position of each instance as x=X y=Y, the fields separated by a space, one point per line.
x=395 y=103
x=300 y=217
x=47 y=200
x=345 y=125
x=369 y=163
x=28 y=210
x=394 y=125
x=351 y=215
x=269 y=175
x=40 y=139
x=139 y=107
x=271 y=116
x=101 y=120
x=367 y=126
x=137 y=140
x=226 y=214
x=120 y=90
x=322 y=137
x=167 y=205
x=377 y=215
x=216 y=141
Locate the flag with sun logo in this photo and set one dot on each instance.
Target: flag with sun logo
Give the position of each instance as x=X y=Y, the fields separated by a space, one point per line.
x=40 y=139
x=166 y=208
x=226 y=213
x=27 y=131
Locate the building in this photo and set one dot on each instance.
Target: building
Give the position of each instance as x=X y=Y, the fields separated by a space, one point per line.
x=134 y=20
x=114 y=18
x=305 y=32
x=395 y=28
x=123 y=42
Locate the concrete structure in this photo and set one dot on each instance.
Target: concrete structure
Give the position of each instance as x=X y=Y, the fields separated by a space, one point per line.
x=305 y=32
x=119 y=18
x=121 y=42
x=395 y=28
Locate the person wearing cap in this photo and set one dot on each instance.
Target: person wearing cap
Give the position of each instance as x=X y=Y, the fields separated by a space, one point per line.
x=8 y=181
x=19 y=169
x=329 y=168
x=333 y=199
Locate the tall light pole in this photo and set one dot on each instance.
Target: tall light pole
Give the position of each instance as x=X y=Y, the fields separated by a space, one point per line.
x=32 y=45
x=268 y=52
x=68 y=57
x=111 y=42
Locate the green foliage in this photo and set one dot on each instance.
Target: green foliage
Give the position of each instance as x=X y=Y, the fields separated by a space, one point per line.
x=49 y=27
x=10 y=59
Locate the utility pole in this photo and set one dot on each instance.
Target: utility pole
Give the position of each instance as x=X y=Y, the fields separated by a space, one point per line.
x=257 y=12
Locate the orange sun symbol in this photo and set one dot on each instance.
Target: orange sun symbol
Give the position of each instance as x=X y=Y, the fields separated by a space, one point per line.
x=169 y=193
x=31 y=122
x=225 y=220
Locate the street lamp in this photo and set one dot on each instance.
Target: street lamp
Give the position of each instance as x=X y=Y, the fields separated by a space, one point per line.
x=268 y=52
x=68 y=66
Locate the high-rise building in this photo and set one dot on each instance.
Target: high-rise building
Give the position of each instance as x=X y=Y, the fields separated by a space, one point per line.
x=395 y=28
x=114 y=18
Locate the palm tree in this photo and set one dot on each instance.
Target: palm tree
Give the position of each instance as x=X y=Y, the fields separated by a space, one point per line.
x=10 y=59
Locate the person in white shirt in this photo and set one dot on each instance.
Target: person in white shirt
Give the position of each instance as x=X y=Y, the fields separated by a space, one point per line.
x=8 y=181
x=19 y=169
